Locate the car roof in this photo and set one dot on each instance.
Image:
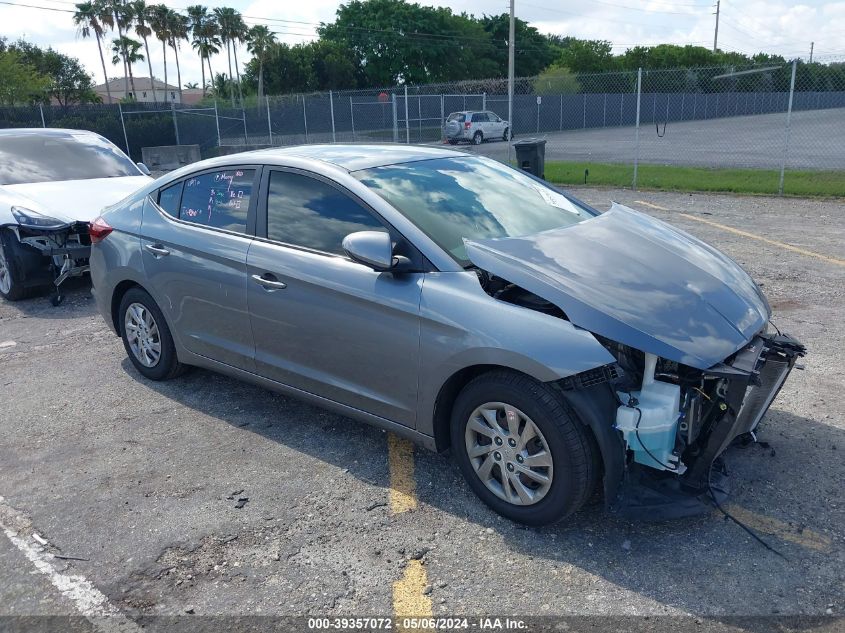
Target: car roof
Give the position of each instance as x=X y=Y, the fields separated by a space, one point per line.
x=40 y=131
x=352 y=157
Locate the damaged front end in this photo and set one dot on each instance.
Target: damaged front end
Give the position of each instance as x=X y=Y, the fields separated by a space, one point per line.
x=55 y=252
x=676 y=421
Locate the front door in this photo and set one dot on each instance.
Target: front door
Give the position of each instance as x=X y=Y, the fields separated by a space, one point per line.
x=194 y=241
x=323 y=323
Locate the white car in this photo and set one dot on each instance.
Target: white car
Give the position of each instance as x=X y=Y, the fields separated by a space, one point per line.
x=53 y=183
x=476 y=127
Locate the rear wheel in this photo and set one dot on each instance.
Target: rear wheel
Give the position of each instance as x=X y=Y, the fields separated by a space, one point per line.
x=521 y=448
x=13 y=258
x=477 y=138
x=146 y=337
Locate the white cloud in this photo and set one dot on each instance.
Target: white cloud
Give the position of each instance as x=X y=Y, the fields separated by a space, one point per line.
x=748 y=26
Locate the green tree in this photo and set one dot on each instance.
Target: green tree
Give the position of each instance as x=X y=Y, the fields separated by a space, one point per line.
x=259 y=41
x=556 y=80
x=232 y=30
x=20 y=82
x=393 y=41
x=178 y=27
x=533 y=51
x=94 y=18
x=205 y=34
x=584 y=56
x=129 y=51
x=160 y=25
x=141 y=15
x=68 y=82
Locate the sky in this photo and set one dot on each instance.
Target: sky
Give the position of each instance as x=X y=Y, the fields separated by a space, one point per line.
x=748 y=26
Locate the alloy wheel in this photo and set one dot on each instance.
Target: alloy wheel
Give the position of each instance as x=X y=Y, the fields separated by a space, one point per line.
x=142 y=334
x=509 y=453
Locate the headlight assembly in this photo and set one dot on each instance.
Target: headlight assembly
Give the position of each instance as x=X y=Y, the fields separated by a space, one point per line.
x=32 y=219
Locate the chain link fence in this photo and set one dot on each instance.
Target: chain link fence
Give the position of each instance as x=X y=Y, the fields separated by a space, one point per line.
x=784 y=119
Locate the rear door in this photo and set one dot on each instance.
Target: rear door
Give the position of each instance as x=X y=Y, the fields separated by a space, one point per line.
x=323 y=323
x=195 y=236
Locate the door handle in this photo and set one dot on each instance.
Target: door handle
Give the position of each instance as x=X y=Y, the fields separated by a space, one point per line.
x=269 y=282
x=157 y=250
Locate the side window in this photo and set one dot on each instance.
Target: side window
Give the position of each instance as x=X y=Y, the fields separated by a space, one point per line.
x=304 y=211
x=478 y=117
x=168 y=199
x=218 y=199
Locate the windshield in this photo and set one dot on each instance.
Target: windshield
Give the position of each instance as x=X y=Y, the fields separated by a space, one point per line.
x=452 y=199
x=35 y=158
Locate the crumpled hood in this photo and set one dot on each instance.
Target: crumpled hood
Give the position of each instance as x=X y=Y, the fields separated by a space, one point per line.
x=71 y=200
x=638 y=281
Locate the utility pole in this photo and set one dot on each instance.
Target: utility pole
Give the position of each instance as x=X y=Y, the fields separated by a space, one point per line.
x=511 y=35
x=716 y=34
x=812 y=44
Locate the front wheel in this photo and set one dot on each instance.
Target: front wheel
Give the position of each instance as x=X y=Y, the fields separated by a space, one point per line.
x=146 y=337
x=13 y=260
x=507 y=134
x=521 y=448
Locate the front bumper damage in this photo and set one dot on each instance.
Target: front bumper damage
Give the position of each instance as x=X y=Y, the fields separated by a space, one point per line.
x=719 y=405
x=56 y=254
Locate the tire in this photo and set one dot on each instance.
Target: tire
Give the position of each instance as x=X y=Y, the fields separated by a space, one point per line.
x=164 y=365
x=477 y=138
x=453 y=141
x=14 y=258
x=573 y=470
x=507 y=134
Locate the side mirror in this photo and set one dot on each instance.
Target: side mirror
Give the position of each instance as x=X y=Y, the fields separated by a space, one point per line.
x=371 y=248
x=144 y=169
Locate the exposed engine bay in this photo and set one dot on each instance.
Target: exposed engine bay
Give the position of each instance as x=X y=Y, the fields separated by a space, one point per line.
x=673 y=421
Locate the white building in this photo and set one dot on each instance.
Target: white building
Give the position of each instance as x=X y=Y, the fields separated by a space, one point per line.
x=164 y=93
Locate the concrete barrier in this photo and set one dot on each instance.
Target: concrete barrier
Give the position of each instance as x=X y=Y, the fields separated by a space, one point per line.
x=168 y=157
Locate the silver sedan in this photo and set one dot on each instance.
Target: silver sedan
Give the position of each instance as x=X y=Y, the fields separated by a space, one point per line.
x=448 y=298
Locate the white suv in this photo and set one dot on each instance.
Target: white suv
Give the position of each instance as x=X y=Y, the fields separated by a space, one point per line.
x=475 y=127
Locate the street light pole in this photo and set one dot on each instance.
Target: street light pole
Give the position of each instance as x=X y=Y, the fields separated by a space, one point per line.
x=511 y=35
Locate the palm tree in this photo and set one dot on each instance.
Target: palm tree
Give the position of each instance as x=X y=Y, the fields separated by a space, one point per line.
x=129 y=50
x=191 y=85
x=121 y=18
x=239 y=32
x=260 y=40
x=160 y=24
x=226 y=20
x=178 y=26
x=141 y=14
x=206 y=40
x=93 y=17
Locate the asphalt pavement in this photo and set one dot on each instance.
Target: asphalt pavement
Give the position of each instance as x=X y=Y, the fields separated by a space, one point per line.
x=124 y=499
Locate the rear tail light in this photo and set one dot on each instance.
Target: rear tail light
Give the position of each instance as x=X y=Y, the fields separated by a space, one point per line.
x=99 y=230
x=467 y=124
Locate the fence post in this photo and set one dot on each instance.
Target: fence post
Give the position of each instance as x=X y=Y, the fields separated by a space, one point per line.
x=217 y=122
x=407 y=123
x=788 y=122
x=585 y=111
x=483 y=101
x=604 y=112
x=243 y=117
x=560 y=123
x=269 y=125
x=395 y=117
x=637 y=142
x=43 y=123
x=305 y=118
x=539 y=101
x=442 y=118
x=175 y=123
x=123 y=125
x=331 y=107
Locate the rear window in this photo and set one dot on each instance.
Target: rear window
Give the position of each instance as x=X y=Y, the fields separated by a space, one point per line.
x=457 y=116
x=32 y=158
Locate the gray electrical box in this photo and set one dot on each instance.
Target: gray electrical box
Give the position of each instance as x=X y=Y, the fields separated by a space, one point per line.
x=531 y=156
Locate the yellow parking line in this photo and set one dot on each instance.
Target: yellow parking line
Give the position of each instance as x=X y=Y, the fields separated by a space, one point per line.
x=760 y=238
x=649 y=204
x=400 y=458
x=408 y=597
x=780 y=529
